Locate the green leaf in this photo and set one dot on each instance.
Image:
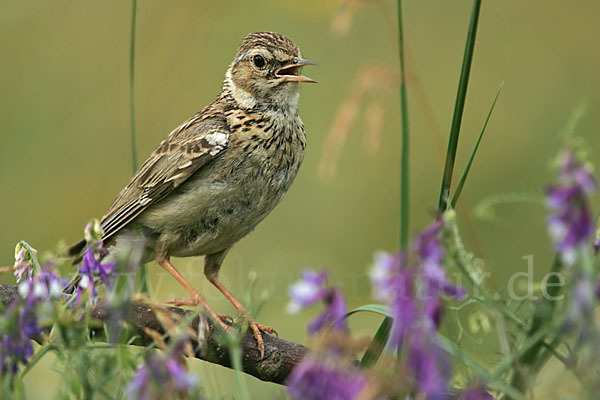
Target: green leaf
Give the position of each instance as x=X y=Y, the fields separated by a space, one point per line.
x=380 y=309
x=37 y=357
x=377 y=344
x=465 y=173
x=380 y=339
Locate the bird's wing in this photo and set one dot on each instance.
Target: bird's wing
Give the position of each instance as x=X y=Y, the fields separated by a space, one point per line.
x=188 y=148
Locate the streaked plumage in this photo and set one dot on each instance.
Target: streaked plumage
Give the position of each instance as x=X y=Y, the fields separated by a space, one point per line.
x=221 y=172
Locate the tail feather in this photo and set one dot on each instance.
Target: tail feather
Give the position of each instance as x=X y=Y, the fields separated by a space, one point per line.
x=76 y=251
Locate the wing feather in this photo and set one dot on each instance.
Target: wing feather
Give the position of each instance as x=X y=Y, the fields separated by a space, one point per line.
x=187 y=149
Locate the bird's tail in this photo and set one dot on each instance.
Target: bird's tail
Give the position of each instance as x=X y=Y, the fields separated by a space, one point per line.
x=76 y=252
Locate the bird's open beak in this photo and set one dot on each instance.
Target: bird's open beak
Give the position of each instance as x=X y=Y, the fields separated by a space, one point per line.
x=289 y=73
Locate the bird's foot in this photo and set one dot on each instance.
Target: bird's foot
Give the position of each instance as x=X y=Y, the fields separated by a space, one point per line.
x=257 y=330
x=226 y=318
x=199 y=301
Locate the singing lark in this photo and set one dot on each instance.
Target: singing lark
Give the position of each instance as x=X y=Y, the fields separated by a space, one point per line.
x=220 y=173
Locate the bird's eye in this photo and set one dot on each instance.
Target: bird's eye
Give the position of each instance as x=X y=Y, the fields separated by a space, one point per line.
x=259 y=61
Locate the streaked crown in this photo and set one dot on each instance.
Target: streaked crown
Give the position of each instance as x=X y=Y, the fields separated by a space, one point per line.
x=272 y=41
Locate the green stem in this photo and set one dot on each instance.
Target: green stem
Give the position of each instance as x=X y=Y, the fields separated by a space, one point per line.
x=236 y=361
x=404 y=166
x=132 y=87
x=459 y=107
x=543 y=313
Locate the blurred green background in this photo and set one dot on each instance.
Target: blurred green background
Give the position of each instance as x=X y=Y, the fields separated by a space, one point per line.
x=65 y=149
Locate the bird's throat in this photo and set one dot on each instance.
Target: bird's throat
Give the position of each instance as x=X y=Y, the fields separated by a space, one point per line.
x=284 y=99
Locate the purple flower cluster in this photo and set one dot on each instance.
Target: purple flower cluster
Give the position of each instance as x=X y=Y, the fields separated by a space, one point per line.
x=320 y=377
x=311 y=289
x=325 y=379
x=90 y=268
x=571 y=223
x=16 y=345
x=22 y=318
x=162 y=376
x=414 y=296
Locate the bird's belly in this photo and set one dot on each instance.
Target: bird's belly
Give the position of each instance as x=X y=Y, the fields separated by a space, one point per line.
x=211 y=213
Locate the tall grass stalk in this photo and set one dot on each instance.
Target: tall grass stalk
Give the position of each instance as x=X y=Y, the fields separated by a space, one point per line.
x=134 y=159
x=459 y=107
x=380 y=339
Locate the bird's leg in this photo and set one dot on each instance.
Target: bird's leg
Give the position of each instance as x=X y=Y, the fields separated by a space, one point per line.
x=212 y=265
x=197 y=298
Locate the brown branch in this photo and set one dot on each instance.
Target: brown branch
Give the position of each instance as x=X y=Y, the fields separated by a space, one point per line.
x=281 y=356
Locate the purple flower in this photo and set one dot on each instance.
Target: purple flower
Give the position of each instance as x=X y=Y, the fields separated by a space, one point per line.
x=403 y=305
x=385 y=267
x=430 y=365
x=430 y=254
x=333 y=314
x=22 y=318
x=597 y=245
x=16 y=345
x=325 y=379
x=91 y=267
x=477 y=393
x=429 y=247
x=570 y=224
x=393 y=282
x=414 y=298
x=161 y=377
x=311 y=289
x=45 y=287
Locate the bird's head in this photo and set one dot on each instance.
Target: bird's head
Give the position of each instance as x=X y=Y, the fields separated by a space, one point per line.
x=266 y=71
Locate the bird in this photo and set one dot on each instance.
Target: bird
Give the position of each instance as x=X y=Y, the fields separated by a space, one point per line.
x=218 y=174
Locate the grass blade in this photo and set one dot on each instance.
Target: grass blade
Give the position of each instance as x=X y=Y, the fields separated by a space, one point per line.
x=459 y=107
x=37 y=357
x=380 y=309
x=380 y=338
x=465 y=173
x=377 y=344
x=404 y=164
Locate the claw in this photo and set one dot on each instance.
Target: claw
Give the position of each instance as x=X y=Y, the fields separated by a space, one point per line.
x=260 y=343
x=267 y=329
x=198 y=301
x=257 y=330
